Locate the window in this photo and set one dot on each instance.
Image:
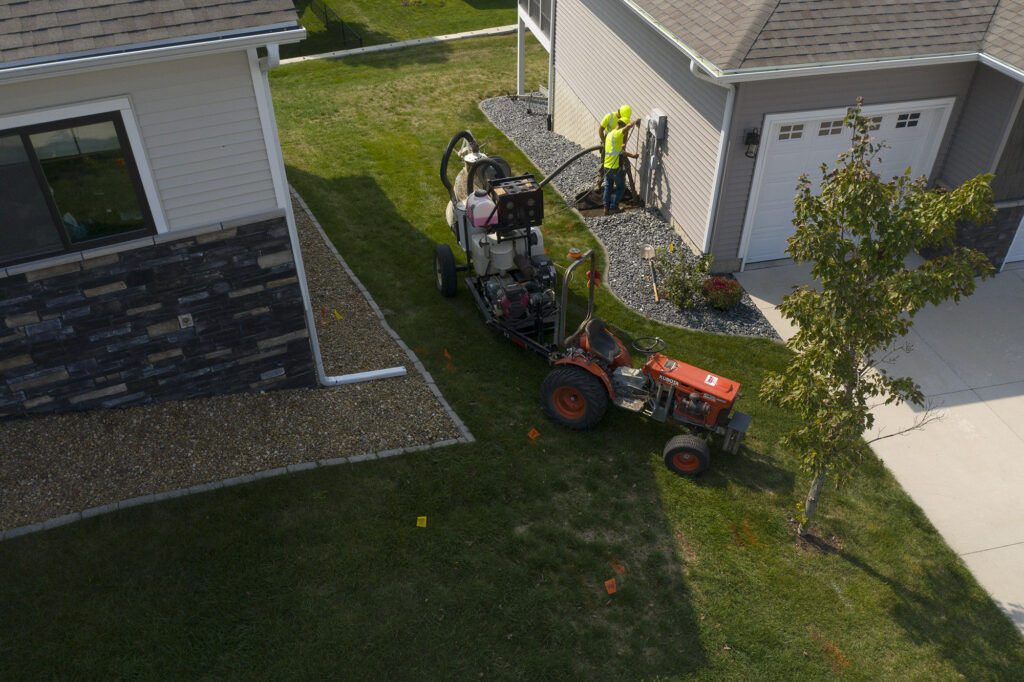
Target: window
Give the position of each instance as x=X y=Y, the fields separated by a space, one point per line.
x=876 y=123
x=791 y=132
x=68 y=185
x=908 y=120
x=830 y=128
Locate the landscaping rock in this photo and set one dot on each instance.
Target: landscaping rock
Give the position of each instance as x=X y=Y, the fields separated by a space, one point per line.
x=623 y=235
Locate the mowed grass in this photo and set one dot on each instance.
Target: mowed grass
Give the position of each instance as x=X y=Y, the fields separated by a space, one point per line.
x=325 y=574
x=388 y=21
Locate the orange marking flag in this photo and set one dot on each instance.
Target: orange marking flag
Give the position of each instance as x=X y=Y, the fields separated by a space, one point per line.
x=610 y=586
x=533 y=434
x=446 y=354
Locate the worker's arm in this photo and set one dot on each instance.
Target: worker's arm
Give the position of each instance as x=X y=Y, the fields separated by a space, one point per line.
x=600 y=133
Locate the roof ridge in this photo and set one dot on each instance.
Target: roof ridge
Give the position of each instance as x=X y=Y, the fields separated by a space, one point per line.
x=755 y=26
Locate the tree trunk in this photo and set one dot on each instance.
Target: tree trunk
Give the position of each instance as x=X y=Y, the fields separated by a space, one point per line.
x=811 y=503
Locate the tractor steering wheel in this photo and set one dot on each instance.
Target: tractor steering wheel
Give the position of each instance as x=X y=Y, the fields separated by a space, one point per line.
x=651 y=345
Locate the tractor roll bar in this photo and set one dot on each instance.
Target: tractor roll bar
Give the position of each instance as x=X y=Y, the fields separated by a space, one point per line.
x=479 y=164
x=461 y=135
x=560 y=328
x=561 y=168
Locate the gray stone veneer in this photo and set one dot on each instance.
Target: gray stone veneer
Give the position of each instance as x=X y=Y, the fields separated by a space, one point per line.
x=207 y=312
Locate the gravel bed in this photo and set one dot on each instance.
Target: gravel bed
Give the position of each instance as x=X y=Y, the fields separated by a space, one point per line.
x=622 y=235
x=56 y=465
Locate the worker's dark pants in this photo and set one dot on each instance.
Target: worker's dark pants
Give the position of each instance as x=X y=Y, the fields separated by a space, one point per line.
x=614 y=187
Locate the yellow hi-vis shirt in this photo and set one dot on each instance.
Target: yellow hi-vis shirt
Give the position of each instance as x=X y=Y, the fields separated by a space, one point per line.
x=613 y=144
x=610 y=121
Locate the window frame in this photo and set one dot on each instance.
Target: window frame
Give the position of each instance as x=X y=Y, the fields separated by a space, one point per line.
x=118 y=111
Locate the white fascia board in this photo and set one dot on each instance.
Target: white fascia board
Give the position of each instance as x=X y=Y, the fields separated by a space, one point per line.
x=524 y=17
x=1002 y=67
x=147 y=55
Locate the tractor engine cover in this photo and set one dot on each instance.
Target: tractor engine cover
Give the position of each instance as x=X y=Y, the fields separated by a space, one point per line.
x=700 y=395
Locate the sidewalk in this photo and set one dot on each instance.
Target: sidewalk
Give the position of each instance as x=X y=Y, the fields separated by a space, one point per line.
x=495 y=31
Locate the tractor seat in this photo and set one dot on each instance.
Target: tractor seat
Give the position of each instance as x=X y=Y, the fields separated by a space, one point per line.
x=600 y=341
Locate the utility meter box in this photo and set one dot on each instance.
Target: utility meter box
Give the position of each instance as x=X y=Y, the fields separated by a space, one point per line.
x=656 y=124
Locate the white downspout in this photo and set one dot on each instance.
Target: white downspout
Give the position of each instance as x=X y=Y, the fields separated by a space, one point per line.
x=521 y=57
x=551 y=66
x=267 y=118
x=723 y=145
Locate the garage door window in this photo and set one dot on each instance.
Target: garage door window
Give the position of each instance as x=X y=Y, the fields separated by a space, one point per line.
x=68 y=185
x=830 y=128
x=791 y=132
x=908 y=120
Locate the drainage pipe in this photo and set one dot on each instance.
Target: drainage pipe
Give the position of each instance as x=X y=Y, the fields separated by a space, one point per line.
x=265 y=105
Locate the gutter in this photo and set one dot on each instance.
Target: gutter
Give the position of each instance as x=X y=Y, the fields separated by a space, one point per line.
x=214 y=43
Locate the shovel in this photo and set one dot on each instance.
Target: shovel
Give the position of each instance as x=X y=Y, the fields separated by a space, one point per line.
x=647 y=253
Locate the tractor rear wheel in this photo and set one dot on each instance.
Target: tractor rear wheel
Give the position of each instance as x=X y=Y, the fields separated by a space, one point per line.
x=687 y=455
x=573 y=397
x=444 y=270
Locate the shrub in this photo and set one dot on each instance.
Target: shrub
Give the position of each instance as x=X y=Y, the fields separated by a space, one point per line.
x=681 y=275
x=723 y=293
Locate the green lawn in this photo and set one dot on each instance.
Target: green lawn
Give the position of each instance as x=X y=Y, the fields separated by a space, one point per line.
x=387 y=21
x=324 y=574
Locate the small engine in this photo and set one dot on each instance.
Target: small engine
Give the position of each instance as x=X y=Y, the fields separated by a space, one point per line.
x=692 y=406
x=523 y=296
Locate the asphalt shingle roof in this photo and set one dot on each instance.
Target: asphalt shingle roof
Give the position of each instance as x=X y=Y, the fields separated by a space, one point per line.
x=742 y=34
x=37 y=30
x=1005 y=39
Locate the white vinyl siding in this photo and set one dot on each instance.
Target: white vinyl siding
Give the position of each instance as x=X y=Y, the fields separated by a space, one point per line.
x=606 y=56
x=755 y=100
x=199 y=124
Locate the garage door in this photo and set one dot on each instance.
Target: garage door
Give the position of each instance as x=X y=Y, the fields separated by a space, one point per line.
x=793 y=144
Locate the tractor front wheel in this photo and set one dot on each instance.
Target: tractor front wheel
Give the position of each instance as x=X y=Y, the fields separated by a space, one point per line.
x=444 y=270
x=687 y=455
x=573 y=397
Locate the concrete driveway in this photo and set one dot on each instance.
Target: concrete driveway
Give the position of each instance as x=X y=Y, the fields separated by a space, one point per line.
x=966 y=470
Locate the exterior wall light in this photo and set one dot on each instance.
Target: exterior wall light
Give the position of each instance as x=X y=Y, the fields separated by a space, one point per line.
x=752 y=139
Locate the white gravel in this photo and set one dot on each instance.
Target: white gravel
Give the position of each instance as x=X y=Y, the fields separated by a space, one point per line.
x=622 y=235
x=56 y=465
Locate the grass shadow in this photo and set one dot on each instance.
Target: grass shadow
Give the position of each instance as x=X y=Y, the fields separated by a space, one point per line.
x=946 y=593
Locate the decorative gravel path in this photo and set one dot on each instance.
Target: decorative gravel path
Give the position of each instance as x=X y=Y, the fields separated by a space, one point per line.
x=56 y=467
x=622 y=235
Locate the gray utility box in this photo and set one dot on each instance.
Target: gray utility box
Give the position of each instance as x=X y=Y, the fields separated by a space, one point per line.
x=656 y=123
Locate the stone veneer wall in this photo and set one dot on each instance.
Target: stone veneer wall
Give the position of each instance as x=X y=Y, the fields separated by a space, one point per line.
x=208 y=312
x=994 y=237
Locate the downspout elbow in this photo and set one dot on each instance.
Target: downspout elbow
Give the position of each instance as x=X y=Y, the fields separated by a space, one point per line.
x=273 y=58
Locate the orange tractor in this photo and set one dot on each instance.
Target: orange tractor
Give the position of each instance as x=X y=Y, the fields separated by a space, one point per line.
x=593 y=367
x=495 y=220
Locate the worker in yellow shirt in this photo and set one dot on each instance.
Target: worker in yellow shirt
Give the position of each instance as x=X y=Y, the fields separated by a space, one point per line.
x=614 y=177
x=611 y=121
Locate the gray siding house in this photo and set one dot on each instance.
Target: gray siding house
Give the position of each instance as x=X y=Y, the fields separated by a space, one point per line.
x=147 y=245
x=944 y=81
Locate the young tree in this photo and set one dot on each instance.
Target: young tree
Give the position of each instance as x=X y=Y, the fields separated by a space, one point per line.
x=858 y=231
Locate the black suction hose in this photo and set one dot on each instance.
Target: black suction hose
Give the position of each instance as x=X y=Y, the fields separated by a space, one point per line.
x=500 y=172
x=461 y=135
x=558 y=170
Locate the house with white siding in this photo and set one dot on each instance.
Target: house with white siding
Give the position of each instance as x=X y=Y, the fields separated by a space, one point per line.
x=147 y=245
x=754 y=92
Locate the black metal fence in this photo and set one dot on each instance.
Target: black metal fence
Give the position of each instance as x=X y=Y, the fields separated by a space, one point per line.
x=347 y=36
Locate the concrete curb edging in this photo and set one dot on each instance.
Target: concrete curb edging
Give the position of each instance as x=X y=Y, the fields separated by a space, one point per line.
x=448 y=37
x=64 y=520
x=466 y=436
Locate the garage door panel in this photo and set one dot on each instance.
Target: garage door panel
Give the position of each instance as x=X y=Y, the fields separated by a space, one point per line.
x=795 y=144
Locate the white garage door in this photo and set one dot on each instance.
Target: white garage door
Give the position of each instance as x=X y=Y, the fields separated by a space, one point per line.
x=793 y=144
